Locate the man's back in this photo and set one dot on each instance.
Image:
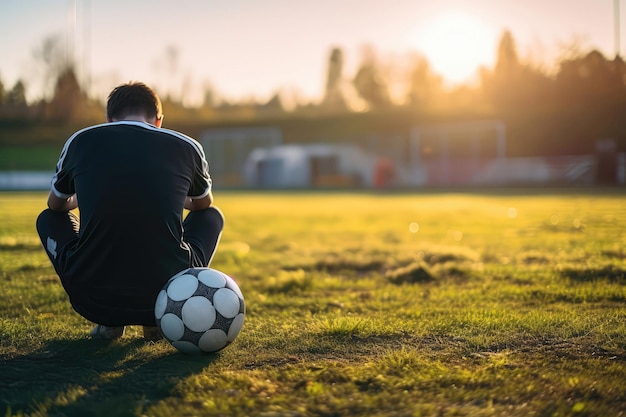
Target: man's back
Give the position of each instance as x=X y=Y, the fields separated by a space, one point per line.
x=131 y=180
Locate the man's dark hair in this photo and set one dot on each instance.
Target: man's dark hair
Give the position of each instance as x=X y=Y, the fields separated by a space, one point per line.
x=134 y=98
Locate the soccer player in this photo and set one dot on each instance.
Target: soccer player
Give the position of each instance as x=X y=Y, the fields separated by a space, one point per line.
x=130 y=180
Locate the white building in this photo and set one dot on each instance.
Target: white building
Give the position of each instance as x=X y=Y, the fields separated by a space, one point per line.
x=304 y=166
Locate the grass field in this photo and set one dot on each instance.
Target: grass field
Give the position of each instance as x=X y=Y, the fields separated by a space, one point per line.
x=427 y=304
x=28 y=158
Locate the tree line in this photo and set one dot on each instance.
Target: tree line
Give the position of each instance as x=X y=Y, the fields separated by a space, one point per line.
x=584 y=98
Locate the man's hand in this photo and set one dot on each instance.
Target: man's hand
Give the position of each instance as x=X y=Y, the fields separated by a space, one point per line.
x=62 y=204
x=199 y=203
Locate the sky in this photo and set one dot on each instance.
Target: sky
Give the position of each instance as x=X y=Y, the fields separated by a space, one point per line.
x=248 y=49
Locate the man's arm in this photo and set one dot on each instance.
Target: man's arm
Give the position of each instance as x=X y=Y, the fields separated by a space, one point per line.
x=199 y=203
x=62 y=204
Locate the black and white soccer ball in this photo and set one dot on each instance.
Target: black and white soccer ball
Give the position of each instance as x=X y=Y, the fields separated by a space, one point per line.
x=200 y=310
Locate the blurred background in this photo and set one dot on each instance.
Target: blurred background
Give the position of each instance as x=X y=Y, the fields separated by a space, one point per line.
x=330 y=94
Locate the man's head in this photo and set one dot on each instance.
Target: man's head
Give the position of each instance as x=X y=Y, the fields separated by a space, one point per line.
x=134 y=101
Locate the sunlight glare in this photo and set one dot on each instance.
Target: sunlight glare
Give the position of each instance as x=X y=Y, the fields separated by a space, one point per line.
x=456 y=44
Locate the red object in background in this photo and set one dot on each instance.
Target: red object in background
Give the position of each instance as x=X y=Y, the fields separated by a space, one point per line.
x=384 y=173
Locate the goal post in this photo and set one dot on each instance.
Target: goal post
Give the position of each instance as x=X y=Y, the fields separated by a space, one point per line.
x=454 y=153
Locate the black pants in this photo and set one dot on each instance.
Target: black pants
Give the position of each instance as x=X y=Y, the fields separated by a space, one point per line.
x=58 y=232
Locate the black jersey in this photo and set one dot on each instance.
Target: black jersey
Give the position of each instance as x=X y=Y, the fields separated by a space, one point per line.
x=131 y=180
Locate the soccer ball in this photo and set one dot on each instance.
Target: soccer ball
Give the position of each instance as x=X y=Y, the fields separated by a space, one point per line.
x=200 y=310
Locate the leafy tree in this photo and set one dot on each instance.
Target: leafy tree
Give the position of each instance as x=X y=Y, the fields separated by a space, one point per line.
x=512 y=85
x=423 y=84
x=275 y=103
x=502 y=85
x=334 y=98
x=507 y=63
x=2 y=93
x=68 y=101
x=591 y=91
x=369 y=83
x=591 y=79
x=16 y=97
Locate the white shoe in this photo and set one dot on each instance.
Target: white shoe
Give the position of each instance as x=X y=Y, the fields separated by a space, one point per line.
x=103 y=332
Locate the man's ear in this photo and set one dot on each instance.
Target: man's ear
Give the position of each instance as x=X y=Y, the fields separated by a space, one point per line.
x=159 y=121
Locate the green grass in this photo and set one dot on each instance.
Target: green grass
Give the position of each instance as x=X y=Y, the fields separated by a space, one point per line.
x=445 y=304
x=29 y=158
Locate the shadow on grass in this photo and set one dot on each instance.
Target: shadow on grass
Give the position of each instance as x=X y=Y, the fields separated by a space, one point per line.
x=95 y=378
x=609 y=272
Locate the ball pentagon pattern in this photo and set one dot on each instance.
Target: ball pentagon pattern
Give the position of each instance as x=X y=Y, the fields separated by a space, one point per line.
x=200 y=310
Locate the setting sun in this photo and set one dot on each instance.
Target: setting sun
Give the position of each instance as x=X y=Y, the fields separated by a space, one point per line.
x=456 y=45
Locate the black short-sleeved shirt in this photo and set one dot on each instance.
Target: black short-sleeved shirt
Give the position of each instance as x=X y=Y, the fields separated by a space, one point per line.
x=131 y=180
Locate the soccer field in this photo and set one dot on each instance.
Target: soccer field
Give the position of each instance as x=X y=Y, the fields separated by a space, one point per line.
x=359 y=304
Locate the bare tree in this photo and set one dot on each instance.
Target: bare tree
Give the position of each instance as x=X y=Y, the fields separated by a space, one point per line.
x=172 y=54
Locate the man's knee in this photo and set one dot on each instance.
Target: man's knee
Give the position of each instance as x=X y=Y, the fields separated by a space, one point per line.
x=42 y=219
x=210 y=218
x=44 y=224
x=204 y=225
x=217 y=217
x=56 y=226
